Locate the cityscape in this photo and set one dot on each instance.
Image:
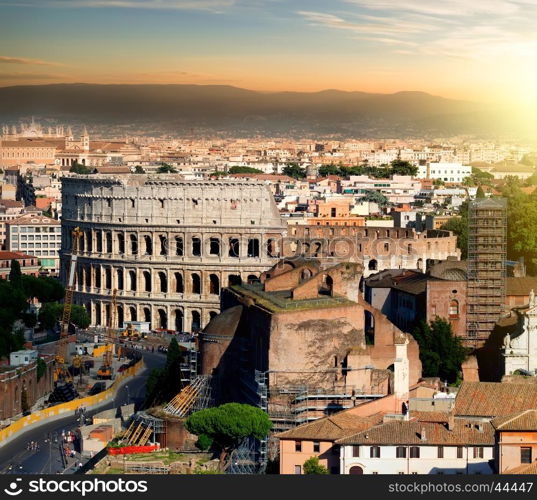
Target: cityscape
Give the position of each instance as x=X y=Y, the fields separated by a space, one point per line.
x=208 y=274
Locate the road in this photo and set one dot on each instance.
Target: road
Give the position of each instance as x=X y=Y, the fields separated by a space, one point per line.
x=16 y=459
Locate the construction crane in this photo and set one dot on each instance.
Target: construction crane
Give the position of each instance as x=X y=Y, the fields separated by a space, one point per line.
x=105 y=371
x=61 y=372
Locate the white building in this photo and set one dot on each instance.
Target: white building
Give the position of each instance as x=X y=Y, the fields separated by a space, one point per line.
x=414 y=446
x=36 y=235
x=447 y=172
x=24 y=357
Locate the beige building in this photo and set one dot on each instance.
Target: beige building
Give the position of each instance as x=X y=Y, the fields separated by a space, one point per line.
x=166 y=245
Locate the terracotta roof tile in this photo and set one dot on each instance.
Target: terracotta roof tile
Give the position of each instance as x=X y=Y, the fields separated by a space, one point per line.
x=409 y=432
x=494 y=399
x=525 y=421
x=523 y=469
x=337 y=426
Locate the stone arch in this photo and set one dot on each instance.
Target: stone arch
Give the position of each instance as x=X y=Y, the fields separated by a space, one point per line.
x=419 y=264
x=121 y=243
x=234 y=279
x=119 y=279
x=195 y=283
x=214 y=246
x=120 y=316
x=163 y=243
x=252 y=278
x=148 y=245
x=133 y=316
x=98 y=315
x=163 y=282
x=214 y=284
x=179 y=283
x=162 y=319
x=373 y=265
x=196 y=321
x=133 y=244
x=147 y=281
x=356 y=470
x=179 y=318
x=132 y=280
x=147 y=315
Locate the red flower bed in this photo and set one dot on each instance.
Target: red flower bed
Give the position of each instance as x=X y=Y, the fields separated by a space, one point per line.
x=129 y=450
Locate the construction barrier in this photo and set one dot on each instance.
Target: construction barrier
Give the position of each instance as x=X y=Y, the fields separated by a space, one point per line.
x=70 y=406
x=130 y=450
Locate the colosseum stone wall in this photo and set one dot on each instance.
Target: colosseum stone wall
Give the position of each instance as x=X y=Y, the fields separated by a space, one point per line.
x=167 y=245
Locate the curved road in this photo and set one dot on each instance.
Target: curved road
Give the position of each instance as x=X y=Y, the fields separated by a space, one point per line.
x=16 y=459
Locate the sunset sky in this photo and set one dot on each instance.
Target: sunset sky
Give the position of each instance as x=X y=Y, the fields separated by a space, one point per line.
x=469 y=49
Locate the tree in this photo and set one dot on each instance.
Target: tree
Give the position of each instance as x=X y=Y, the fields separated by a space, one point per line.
x=138 y=169
x=43 y=288
x=78 y=168
x=228 y=425
x=480 y=194
x=375 y=197
x=15 y=274
x=41 y=368
x=162 y=385
x=459 y=227
x=441 y=352
x=80 y=317
x=236 y=169
x=326 y=170
x=312 y=466
x=166 y=169
x=294 y=170
x=25 y=406
x=50 y=314
x=400 y=167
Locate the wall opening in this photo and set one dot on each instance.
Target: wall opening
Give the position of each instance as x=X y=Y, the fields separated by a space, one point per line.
x=214 y=284
x=196 y=283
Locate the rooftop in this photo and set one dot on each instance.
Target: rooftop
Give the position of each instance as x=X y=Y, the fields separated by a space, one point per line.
x=524 y=421
x=494 y=399
x=415 y=432
x=281 y=301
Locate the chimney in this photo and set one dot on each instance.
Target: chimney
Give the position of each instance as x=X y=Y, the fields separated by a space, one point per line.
x=451 y=421
x=423 y=436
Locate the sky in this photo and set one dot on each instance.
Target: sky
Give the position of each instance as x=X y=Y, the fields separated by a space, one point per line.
x=484 y=50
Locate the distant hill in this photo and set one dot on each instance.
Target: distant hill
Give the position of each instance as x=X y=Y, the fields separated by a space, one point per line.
x=231 y=109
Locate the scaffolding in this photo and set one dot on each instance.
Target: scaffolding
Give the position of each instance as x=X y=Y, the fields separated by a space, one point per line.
x=189 y=368
x=142 y=427
x=487 y=249
x=196 y=393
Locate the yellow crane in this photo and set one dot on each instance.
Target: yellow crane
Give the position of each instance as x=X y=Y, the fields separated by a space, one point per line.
x=61 y=372
x=105 y=371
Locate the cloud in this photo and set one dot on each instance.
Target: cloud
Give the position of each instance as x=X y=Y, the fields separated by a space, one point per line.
x=19 y=77
x=476 y=30
x=209 y=5
x=24 y=60
x=446 y=7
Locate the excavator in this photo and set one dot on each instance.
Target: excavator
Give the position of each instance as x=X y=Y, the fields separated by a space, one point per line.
x=105 y=371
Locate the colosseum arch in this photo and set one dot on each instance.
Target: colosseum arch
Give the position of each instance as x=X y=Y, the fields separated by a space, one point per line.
x=179 y=318
x=132 y=280
x=163 y=282
x=195 y=283
x=163 y=243
x=133 y=244
x=121 y=243
x=214 y=284
x=163 y=319
x=179 y=283
x=148 y=245
x=120 y=285
x=133 y=316
x=179 y=246
x=234 y=279
x=195 y=324
x=147 y=281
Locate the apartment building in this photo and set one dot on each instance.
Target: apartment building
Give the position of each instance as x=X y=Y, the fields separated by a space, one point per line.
x=37 y=235
x=446 y=172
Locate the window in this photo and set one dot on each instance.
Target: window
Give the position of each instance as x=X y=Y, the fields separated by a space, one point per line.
x=374 y=452
x=478 y=452
x=178 y=246
x=298 y=469
x=316 y=447
x=356 y=451
x=400 y=452
x=414 y=452
x=298 y=446
x=454 y=309
x=459 y=452
x=214 y=246
x=440 y=452
x=525 y=455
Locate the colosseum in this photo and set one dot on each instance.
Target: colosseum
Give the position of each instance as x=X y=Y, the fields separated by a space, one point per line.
x=167 y=245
